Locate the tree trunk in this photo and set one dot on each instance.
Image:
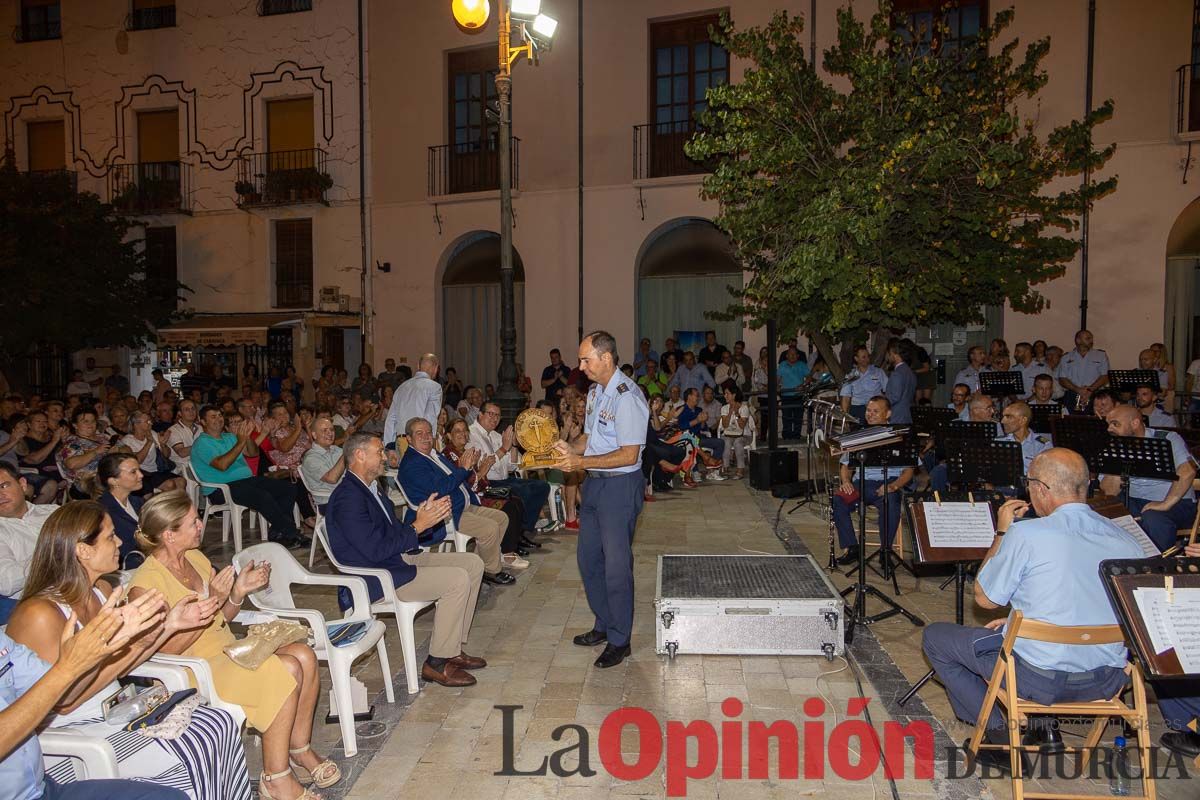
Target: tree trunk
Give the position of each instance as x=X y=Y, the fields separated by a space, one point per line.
x=824 y=347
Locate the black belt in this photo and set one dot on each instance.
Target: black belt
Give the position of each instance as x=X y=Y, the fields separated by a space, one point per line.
x=595 y=473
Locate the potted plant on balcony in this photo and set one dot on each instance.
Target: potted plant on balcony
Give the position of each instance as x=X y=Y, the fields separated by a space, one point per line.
x=312 y=183
x=247 y=193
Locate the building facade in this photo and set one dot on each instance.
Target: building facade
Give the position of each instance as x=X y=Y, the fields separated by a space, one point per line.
x=259 y=111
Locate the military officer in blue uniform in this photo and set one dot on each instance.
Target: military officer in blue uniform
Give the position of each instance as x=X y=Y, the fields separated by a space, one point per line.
x=864 y=382
x=1082 y=371
x=614 y=433
x=1015 y=421
x=976 y=363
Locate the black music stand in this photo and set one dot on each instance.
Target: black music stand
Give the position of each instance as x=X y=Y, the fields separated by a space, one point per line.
x=927 y=419
x=1083 y=433
x=1043 y=415
x=893 y=459
x=1136 y=457
x=1002 y=384
x=980 y=431
x=860 y=589
x=972 y=462
x=1127 y=380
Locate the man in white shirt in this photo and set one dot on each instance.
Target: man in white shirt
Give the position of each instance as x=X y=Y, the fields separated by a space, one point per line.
x=486 y=439
x=78 y=387
x=182 y=434
x=20 y=524
x=421 y=396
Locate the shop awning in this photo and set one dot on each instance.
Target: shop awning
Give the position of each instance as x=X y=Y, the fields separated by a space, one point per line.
x=224 y=330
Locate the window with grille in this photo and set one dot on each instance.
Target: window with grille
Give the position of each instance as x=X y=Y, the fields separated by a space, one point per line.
x=920 y=20
x=293 y=263
x=684 y=63
x=473 y=165
x=40 y=20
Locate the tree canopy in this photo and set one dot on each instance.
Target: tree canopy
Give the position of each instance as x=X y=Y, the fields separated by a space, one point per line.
x=908 y=188
x=75 y=270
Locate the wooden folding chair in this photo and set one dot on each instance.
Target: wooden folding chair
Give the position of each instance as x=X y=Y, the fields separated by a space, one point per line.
x=1003 y=688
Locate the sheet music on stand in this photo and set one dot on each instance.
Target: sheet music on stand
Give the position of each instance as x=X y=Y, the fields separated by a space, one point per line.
x=1130 y=526
x=1085 y=434
x=1002 y=384
x=1157 y=603
x=867 y=438
x=1127 y=380
x=1043 y=416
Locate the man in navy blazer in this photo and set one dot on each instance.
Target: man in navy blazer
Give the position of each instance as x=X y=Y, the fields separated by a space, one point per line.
x=364 y=532
x=424 y=471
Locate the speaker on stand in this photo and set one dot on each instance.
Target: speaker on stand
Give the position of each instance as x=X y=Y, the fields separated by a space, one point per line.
x=773 y=467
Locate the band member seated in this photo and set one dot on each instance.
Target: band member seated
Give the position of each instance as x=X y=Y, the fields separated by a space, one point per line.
x=1047 y=568
x=884 y=495
x=1164 y=506
x=1146 y=401
x=1015 y=421
x=980 y=408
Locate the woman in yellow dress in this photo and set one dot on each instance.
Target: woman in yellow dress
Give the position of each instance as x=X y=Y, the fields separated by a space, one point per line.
x=280 y=697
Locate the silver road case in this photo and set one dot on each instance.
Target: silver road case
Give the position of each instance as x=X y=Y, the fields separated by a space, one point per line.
x=746 y=605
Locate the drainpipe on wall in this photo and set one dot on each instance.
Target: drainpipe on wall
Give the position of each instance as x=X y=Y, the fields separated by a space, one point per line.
x=365 y=287
x=579 y=27
x=1087 y=172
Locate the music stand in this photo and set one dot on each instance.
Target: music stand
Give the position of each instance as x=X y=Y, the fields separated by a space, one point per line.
x=1002 y=384
x=857 y=444
x=1120 y=578
x=893 y=459
x=980 y=431
x=1127 y=380
x=927 y=419
x=1043 y=414
x=971 y=461
x=1136 y=457
x=1083 y=433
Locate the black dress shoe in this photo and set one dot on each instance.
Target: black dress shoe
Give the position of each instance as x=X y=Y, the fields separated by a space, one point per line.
x=522 y=552
x=1044 y=735
x=849 y=557
x=499 y=578
x=998 y=760
x=612 y=656
x=1185 y=743
x=590 y=639
x=527 y=542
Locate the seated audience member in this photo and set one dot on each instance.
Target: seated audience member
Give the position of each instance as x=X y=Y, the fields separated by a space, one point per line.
x=182 y=434
x=711 y=406
x=960 y=396
x=490 y=442
x=471 y=406
x=364 y=532
x=20 y=524
x=1146 y=401
x=512 y=547
x=289 y=439
x=324 y=464
x=1164 y=506
x=78 y=387
x=280 y=697
x=737 y=429
x=38 y=450
x=372 y=417
x=164 y=415
x=117 y=486
x=218 y=457
x=150 y=449
x=76 y=548
x=644 y=356
x=690 y=375
x=864 y=382
x=344 y=416
x=693 y=421
x=35 y=688
x=883 y=486
x=12 y=438
x=1103 y=402
x=1046 y=568
x=674 y=399
x=1015 y=420
x=365 y=385
x=651 y=380
x=728 y=371
x=118 y=420
x=667 y=451
x=424 y=472
x=81 y=450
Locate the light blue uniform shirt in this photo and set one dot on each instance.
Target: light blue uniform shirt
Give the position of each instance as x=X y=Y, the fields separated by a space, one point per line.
x=617 y=416
x=1155 y=490
x=874 y=473
x=639 y=369
x=1029 y=374
x=21 y=772
x=1034 y=443
x=969 y=376
x=1048 y=569
x=1158 y=418
x=1083 y=370
x=862 y=386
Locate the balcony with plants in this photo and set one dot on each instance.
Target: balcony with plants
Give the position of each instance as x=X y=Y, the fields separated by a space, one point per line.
x=290 y=177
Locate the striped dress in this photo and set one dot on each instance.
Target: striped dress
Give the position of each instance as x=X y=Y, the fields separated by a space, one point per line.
x=207 y=762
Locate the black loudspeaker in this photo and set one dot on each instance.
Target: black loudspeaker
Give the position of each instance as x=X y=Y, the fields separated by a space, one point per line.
x=772 y=467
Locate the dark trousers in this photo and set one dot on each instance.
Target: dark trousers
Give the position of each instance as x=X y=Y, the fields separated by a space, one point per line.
x=1163 y=526
x=1179 y=702
x=533 y=494
x=7 y=604
x=656 y=451
x=271 y=497
x=514 y=509
x=859 y=413
x=108 y=789
x=963 y=658
x=793 y=416
x=844 y=521
x=607 y=520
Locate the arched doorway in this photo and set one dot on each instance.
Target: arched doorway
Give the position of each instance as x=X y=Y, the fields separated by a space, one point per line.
x=1181 y=328
x=471 y=307
x=685 y=267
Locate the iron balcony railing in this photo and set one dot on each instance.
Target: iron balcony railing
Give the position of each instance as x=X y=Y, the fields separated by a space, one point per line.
x=283 y=177
x=147 y=19
x=37 y=31
x=53 y=178
x=658 y=150
x=470 y=167
x=1187 y=101
x=293 y=294
x=267 y=8
x=156 y=187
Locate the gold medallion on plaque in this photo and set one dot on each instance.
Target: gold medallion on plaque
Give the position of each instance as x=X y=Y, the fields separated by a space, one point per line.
x=537 y=434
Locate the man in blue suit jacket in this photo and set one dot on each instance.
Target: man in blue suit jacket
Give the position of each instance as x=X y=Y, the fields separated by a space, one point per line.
x=364 y=532
x=424 y=471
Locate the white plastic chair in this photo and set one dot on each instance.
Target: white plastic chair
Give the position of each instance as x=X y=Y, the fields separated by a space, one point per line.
x=277 y=599
x=221 y=499
x=201 y=676
x=405 y=611
x=453 y=538
x=312 y=551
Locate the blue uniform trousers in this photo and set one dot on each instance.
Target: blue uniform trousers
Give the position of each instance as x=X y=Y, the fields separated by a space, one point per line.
x=843 y=518
x=963 y=658
x=533 y=494
x=1162 y=526
x=109 y=789
x=1179 y=702
x=607 y=519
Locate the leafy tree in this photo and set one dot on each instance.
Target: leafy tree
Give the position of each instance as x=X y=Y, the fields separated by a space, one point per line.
x=74 y=270
x=906 y=189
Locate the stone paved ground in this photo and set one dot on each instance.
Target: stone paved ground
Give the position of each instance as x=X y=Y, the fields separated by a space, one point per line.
x=443 y=742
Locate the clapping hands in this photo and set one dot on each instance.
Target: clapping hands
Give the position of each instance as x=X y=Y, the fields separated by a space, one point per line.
x=432 y=512
x=256 y=575
x=108 y=632
x=192 y=612
x=469 y=458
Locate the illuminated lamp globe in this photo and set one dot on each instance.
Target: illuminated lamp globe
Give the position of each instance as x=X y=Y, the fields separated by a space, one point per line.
x=471 y=14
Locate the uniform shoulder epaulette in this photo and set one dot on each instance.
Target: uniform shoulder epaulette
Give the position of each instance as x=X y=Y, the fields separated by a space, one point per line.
x=1161 y=434
x=1040 y=439
x=622 y=388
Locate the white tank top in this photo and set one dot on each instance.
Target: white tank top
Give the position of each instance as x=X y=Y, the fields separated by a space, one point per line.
x=91 y=709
